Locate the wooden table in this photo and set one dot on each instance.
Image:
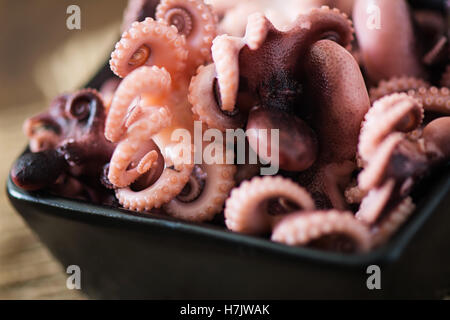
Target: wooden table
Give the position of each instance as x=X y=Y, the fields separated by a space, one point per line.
x=39 y=58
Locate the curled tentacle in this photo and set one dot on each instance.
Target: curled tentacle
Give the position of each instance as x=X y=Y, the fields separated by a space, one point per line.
x=394 y=113
x=225 y=52
x=150 y=43
x=134 y=155
x=396 y=84
x=252 y=208
x=375 y=202
x=203 y=199
x=205 y=105
x=170 y=183
x=397 y=158
x=433 y=99
x=388 y=225
x=145 y=80
x=196 y=21
x=327 y=23
x=328 y=230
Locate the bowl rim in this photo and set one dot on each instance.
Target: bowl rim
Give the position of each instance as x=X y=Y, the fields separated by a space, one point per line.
x=385 y=254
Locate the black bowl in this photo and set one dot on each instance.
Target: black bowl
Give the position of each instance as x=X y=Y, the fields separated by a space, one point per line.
x=128 y=255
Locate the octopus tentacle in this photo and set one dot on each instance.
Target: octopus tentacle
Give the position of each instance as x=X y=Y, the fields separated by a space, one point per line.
x=225 y=52
x=43 y=140
x=433 y=99
x=372 y=175
x=375 y=202
x=396 y=84
x=322 y=229
x=248 y=209
x=396 y=112
x=196 y=21
x=256 y=31
x=336 y=177
x=133 y=147
x=384 y=230
x=149 y=80
x=387 y=39
x=439 y=49
x=149 y=43
x=330 y=23
x=204 y=206
x=204 y=103
x=169 y=184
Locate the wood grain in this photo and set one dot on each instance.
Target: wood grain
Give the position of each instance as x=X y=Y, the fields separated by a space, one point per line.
x=39 y=58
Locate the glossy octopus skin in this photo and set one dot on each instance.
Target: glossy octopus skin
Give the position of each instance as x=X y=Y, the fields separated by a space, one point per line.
x=270 y=79
x=249 y=209
x=67 y=139
x=390 y=48
x=338 y=88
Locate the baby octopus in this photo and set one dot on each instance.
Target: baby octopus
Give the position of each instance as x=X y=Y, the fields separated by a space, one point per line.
x=67 y=146
x=309 y=88
x=157 y=60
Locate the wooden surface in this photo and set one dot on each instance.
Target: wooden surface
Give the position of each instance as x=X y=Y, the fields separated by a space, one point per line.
x=40 y=58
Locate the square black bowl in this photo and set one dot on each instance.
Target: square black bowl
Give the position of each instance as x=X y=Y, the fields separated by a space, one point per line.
x=128 y=255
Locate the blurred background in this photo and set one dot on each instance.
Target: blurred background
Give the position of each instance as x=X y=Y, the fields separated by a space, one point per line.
x=39 y=59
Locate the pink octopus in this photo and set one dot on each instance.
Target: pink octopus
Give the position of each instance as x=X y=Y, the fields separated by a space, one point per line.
x=389 y=44
x=396 y=153
x=148 y=168
x=278 y=78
